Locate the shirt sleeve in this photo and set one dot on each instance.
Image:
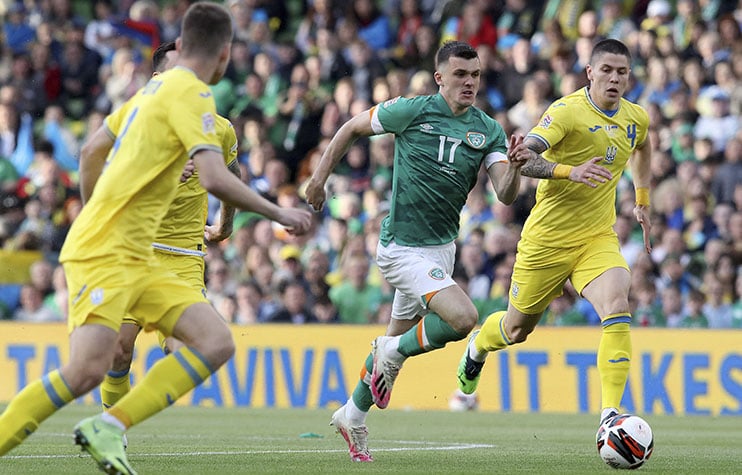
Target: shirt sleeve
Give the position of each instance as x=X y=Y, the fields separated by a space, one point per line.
x=554 y=125
x=193 y=118
x=394 y=115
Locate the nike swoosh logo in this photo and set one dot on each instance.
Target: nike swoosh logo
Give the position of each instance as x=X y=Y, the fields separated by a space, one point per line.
x=170 y=399
x=95 y=428
x=593 y=129
x=619 y=360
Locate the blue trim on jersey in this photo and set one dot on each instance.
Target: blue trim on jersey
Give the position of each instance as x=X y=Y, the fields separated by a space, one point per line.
x=608 y=112
x=54 y=396
x=118 y=374
x=543 y=140
x=617 y=319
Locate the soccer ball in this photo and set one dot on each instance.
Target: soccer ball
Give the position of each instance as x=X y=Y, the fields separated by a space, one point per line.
x=625 y=441
x=460 y=402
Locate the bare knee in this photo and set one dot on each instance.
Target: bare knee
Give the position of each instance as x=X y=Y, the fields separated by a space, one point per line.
x=465 y=321
x=217 y=347
x=83 y=378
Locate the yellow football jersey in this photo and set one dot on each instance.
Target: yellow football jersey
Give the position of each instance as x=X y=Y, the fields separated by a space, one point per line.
x=183 y=225
x=575 y=129
x=170 y=119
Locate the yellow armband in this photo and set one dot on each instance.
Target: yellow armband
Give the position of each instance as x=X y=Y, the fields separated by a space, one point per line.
x=642 y=196
x=562 y=171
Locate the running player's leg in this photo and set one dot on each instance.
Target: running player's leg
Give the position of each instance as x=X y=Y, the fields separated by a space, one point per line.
x=117 y=382
x=207 y=346
x=538 y=277
x=422 y=275
x=99 y=292
x=91 y=353
x=609 y=295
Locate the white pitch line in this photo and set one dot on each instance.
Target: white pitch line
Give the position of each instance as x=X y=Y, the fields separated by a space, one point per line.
x=262 y=452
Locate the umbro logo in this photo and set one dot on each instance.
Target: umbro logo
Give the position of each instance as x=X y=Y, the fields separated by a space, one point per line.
x=595 y=128
x=426 y=127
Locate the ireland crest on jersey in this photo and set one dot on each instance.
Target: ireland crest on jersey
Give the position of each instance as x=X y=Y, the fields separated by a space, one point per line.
x=475 y=139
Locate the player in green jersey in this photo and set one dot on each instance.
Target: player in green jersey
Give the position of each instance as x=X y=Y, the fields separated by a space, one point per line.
x=441 y=141
x=598 y=124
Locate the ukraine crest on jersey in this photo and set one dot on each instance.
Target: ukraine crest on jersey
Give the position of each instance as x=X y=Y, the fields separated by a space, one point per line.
x=574 y=129
x=437 y=157
x=162 y=126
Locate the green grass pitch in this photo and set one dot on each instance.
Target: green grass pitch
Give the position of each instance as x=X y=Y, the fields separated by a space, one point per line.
x=188 y=440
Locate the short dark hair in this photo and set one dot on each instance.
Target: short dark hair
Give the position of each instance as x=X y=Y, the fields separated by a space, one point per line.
x=160 y=54
x=610 y=46
x=206 y=28
x=456 y=49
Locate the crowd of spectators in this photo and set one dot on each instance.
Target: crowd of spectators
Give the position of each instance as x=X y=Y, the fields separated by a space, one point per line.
x=301 y=68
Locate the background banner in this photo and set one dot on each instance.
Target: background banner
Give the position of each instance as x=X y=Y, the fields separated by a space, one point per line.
x=308 y=366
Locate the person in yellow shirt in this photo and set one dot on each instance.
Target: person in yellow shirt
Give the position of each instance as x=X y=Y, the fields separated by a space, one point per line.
x=109 y=261
x=179 y=240
x=569 y=233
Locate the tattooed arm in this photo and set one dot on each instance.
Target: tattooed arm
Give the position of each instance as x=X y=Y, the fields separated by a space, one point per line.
x=222 y=229
x=588 y=173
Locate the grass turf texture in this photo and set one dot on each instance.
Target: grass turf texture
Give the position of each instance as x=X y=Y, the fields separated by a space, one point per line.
x=237 y=441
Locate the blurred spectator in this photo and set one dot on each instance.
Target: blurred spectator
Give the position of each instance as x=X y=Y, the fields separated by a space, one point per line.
x=648 y=311
x=672 y=306
x=355 y=299
x=126 y=77
x=693 y=315
x=473 y=26
x=32 y=307
x=526 y=113
x=717 y=311
x=16 y=30
x=374 y=27
x=520 y=68
x=293 y=306
x=561 y=312
x=100 y=32
x=57 y=299
x=719 y=124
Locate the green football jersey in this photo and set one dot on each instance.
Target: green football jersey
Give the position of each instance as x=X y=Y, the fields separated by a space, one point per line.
x=437 y=157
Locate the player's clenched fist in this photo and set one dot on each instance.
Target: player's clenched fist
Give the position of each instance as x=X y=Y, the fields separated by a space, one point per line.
x=295 y=220
x=316 y=194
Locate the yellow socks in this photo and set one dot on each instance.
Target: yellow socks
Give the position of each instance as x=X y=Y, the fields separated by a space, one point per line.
x=165 y=382
x=614 y=358
x=492 y=336
x=30 y=407
x=114 y=386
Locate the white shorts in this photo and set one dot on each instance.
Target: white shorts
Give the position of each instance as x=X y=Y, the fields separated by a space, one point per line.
x=416 y=273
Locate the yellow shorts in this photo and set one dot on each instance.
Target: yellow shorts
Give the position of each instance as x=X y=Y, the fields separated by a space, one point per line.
x=189 y=269
x=103 y=290
x=540 y=272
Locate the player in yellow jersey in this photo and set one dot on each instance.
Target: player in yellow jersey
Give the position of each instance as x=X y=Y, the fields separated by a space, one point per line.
x=569 y=233
x=110 y=264
x=179 y=241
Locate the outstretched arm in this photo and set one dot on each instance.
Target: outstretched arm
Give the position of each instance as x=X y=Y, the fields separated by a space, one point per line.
x=538 y=167
x=218 y=181
x=641 y=172
x=222 y=229
x=357 y=127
